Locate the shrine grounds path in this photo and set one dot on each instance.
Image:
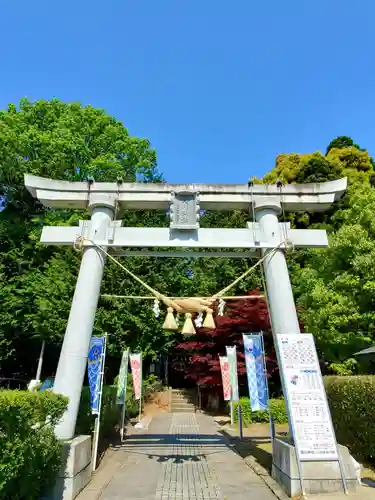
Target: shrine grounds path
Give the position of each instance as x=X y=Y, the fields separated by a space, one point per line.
x=181 y=456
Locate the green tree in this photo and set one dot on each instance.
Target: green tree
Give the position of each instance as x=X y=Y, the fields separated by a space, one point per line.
x=68 y=141
x=62 y=141
x=332 y=285
x=336 y=288
x=342 y=142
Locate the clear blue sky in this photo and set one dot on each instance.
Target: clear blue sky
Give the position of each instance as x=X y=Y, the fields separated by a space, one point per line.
x=219 y=88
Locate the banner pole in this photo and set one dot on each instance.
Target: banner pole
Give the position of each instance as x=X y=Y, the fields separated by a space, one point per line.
x=122 y=389
x=40 y=362
x=272 y=423
x=140 y=403
x=97 y=421
x=141 y=387
x=240 y=423
x=231 y=407
x=123 y=409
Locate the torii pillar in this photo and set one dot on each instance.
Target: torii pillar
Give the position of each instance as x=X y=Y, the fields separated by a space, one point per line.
x=279 y=289
x=184 y=203
x=73 y=357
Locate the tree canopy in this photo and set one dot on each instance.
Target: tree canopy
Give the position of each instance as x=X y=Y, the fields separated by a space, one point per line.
x=333 y=287
x=68 y=141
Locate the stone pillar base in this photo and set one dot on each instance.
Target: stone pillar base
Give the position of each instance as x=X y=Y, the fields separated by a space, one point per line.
x=318 y=477
x=75 y=471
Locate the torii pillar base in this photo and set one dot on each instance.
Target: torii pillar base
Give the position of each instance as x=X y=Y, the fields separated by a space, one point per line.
x=75 y=471
x=318 y=477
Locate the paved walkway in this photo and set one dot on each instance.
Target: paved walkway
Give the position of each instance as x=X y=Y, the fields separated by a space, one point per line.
x=180 y=457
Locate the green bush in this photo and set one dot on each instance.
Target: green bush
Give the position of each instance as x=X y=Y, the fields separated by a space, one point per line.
x=30 y=455
x=278 y=411
x=352 y=403
x=111 y=412
x=151 y=385
x=109 y=416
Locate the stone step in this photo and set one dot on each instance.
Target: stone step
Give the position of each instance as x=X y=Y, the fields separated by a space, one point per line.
x=181 y=407
x=181 y=398
x=183 y=410
x=182 y=402
x=184 y=393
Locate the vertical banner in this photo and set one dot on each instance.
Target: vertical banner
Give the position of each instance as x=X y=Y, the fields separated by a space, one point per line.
x=225 y=375
x=95 y=367
x=123 y=378
x=136 y=366
x=255 y=370
x=232 y=360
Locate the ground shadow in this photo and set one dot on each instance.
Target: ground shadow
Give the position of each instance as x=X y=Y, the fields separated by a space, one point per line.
x=165 y=447
x=260 y=448
x=368 y=482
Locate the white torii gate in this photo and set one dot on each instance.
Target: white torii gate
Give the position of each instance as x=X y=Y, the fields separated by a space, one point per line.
x=184 y=203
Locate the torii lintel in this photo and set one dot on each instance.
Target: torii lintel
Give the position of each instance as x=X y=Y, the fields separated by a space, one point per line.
x=149 y=196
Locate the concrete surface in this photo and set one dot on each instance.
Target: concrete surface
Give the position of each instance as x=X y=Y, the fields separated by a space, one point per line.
x=180 y=457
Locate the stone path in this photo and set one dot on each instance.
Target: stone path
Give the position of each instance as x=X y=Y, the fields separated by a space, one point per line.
x=179 y=457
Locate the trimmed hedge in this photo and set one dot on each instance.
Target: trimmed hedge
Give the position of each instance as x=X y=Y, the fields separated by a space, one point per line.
x=352 y=403
x=30 y=455
x=278 y=411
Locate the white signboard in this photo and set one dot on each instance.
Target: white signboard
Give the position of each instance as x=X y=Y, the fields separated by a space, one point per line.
x=309 y=412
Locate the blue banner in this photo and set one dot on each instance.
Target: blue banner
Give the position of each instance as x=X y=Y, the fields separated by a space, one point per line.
x=255 y=370
x=94 y=370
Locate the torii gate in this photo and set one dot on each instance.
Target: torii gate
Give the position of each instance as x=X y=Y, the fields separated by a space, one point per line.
x=184 y=201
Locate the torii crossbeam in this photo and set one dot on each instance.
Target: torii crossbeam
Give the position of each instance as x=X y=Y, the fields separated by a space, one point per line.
x=184 y=203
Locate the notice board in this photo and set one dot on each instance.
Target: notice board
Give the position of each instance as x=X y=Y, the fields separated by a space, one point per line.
x=308 y=409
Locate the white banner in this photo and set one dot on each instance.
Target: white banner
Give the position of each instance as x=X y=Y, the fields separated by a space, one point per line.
x=123 y=378
x=309 y=412
x=136 y=367
x=232 y=360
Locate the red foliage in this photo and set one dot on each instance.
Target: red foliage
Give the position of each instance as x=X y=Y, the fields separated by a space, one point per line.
x=242 y=316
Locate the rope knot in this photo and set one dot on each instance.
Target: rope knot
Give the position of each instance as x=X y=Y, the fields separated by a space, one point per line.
x=78 y=244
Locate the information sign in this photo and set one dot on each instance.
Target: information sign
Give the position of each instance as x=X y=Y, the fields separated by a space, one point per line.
x=306 y=397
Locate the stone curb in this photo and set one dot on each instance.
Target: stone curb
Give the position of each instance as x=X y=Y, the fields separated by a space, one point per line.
x=259 y=471
x=264 y=474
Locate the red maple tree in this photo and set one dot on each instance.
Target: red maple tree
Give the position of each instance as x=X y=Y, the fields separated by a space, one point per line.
x=202 y=364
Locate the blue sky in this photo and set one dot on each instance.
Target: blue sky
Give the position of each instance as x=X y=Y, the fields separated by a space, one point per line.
x=219 y=88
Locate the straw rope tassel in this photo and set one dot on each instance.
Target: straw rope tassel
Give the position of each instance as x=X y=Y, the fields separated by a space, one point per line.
x=188 y=328
x=209 y=321
x=170 y=322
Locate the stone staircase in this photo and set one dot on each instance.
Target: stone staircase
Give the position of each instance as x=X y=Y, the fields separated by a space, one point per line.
x=182 y=401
